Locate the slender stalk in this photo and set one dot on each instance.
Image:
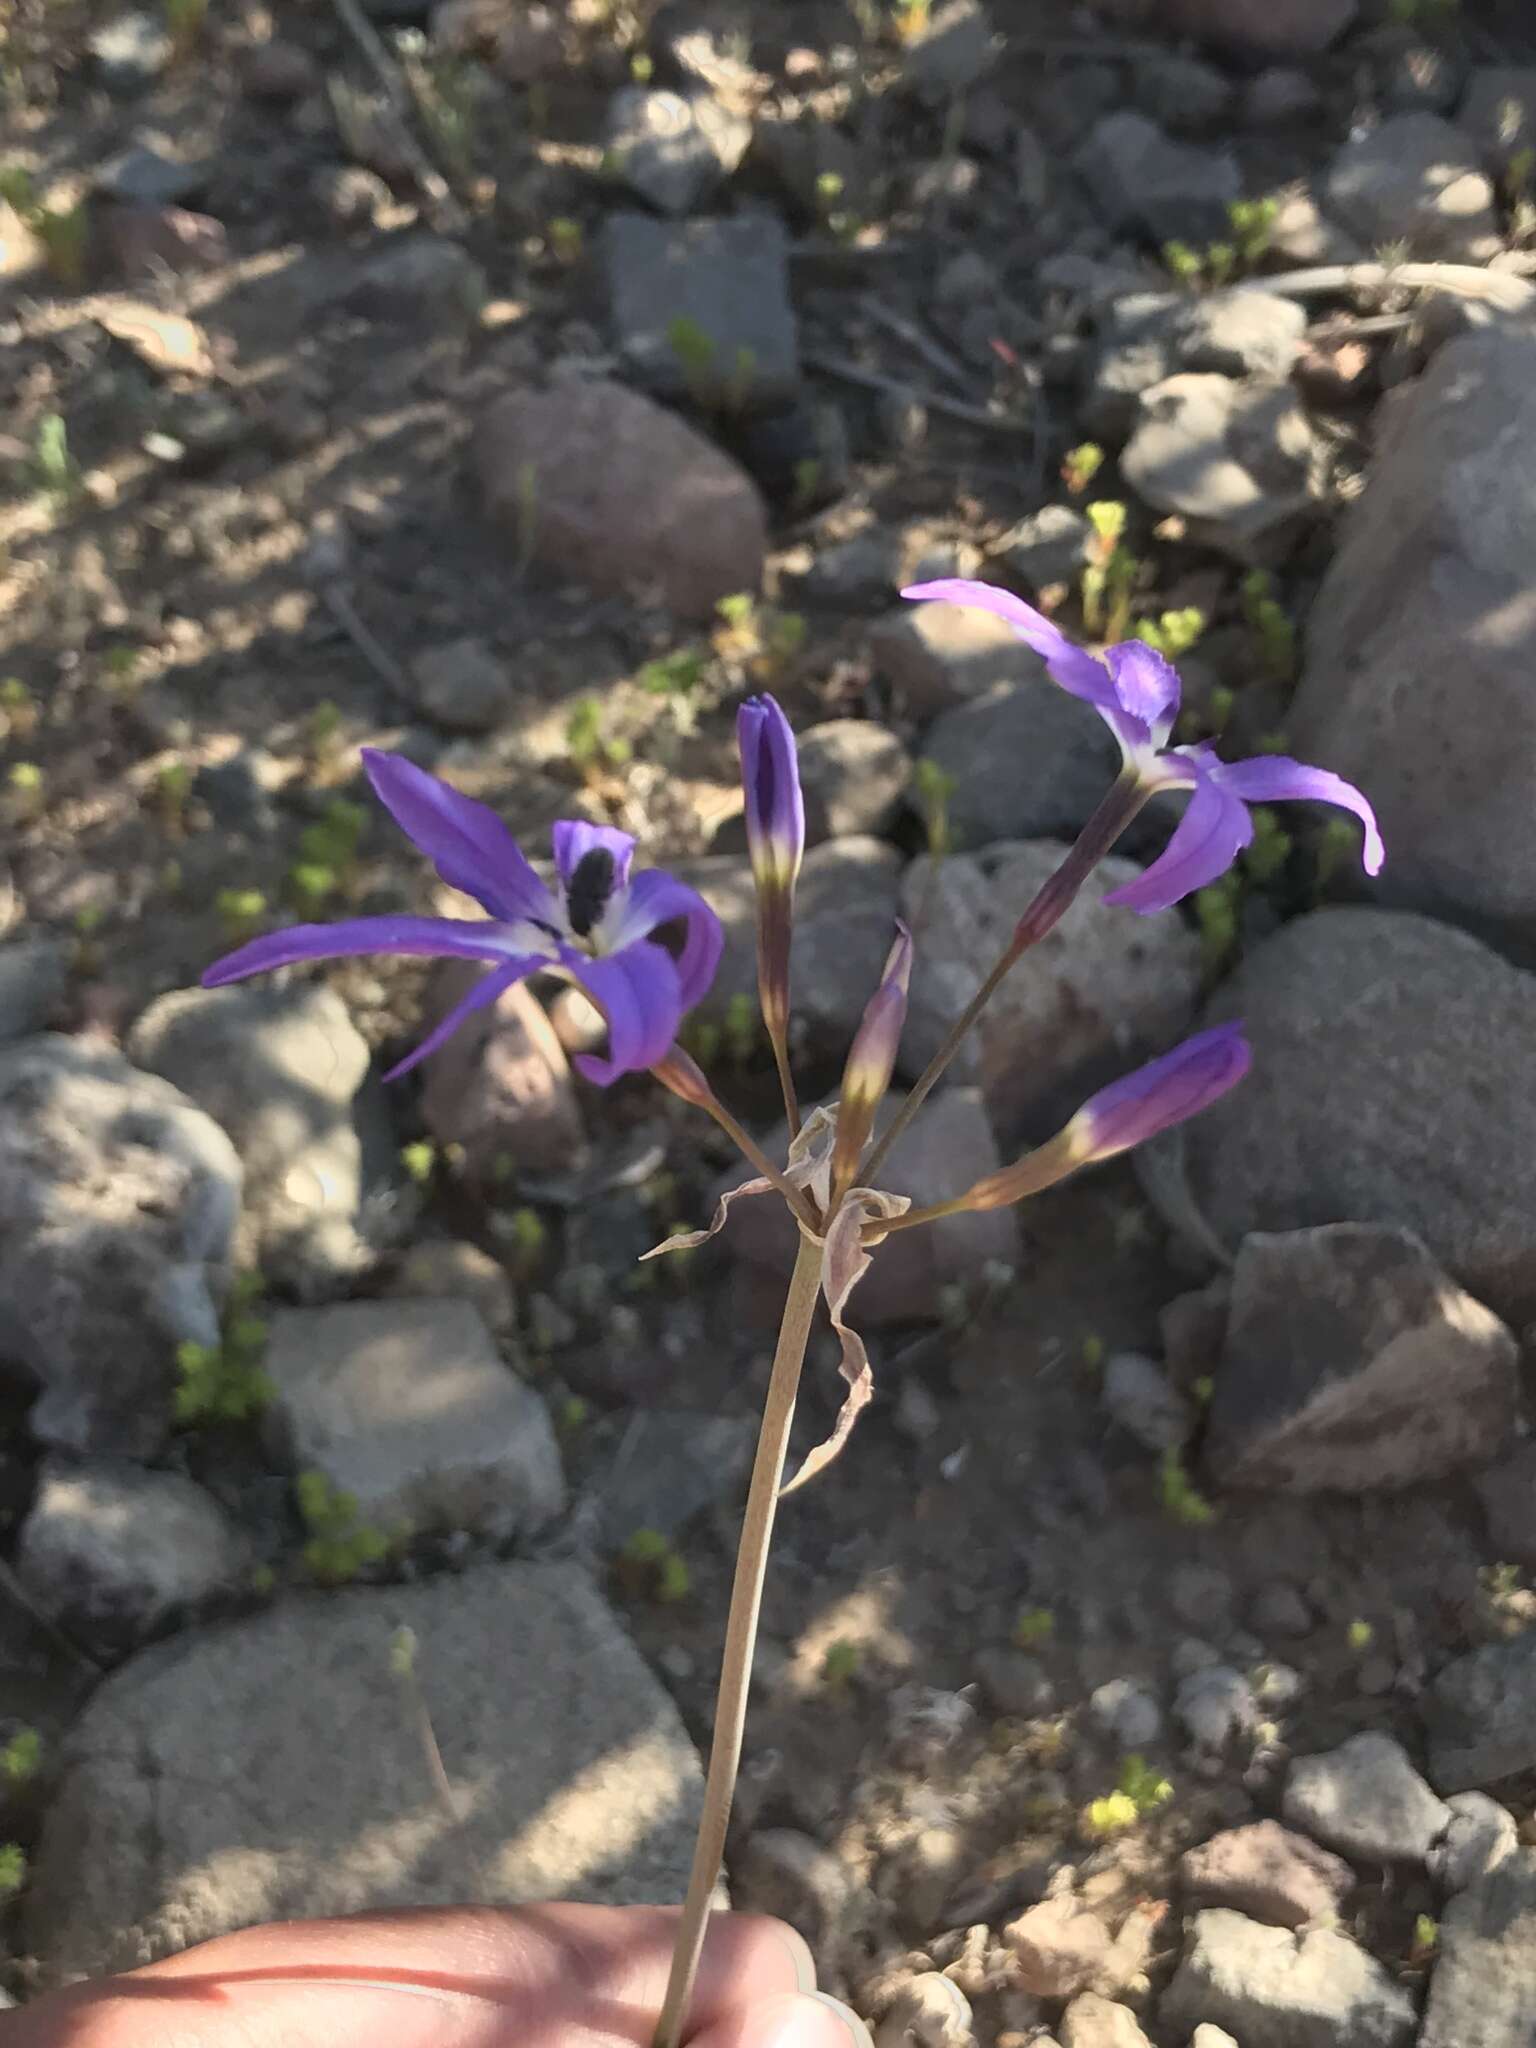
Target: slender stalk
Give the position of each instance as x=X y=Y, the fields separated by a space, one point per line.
x=804 y=1214
x=1051 y=902
x=787 y=1085
x=741 y=1637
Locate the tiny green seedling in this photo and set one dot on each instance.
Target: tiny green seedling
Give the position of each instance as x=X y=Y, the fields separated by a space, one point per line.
x=1265 y=859
x=1110 y=575
x=1139 y=1790
x=241 y=912
x=1172 y=634
x=54 y=469
x=1080 y=465
x=649 y=1564
x=592 y=751
x=13 y=1871
x=225 y=1382
x=840 y=1664
x=1271 y=624
x=932 y=789
x=21 y=1759
x=341 y=1544
x=24 y=785
x=1179 y=1495
x=1359 y=1635
x=1035 y=1627
x=419 y=1160
x=1217 y=911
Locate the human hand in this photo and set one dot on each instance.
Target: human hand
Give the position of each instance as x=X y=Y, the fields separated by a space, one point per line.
x=529 y=1977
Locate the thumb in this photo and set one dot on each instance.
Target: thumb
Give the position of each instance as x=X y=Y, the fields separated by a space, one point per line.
x=807 y=2019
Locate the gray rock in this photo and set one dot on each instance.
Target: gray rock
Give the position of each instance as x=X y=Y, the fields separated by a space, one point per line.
x=119 y=1201
x=947 y=1148
x=1015 y=1683
x=406 y=1406
x=854 y=574
x=1317 y=1133
x=1499 y=111
x=350 y=196
x=1480 y=1714
x=1483 y=1991
x=1207 y=2036
x=111 y=1552
x=1168 y=191
x=1279 y=96
x=1352 y=1362
x=669 y=1467
x=1201 y=1596
x=1267 y=1872
x=1050 y=546
x=700 y=309
x=448 y=1268
x=1234 y=457
x=1137 y=341
x=1416 y=179
x=1366 y=1799
x=1481 y=1835
x=32 y=977
x=1417 y=629
x=141 y=176
x=1137 y=1394
x=853 y=774
x=424 y=282
x=1242 y=334
x=130 y=52
x=1508 y=1494
x=1303 y=234
x=1094 y=2022
x=501 y=1088
x=566 y=473
x=1182 y=94
x=1215 y=1707
x=1025 y=760
x=952 y=49
x=672 y=149
x=1418 y=77
x=1279 y=1610
x=463 y=684
x=199 y=1793
x=279 y=1068
x=1098 y=992
x=785 y=1873
x=1279 y=1989
x=1276 y=28
x=236 y=792
x=940 y=656
x=1127 y=1713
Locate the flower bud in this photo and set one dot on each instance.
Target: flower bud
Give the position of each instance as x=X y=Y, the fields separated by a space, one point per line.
x=775 y=821
x=872 y=1060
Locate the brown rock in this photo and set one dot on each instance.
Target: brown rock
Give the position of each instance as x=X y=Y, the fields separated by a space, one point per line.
x=1060 y=1946
x=139 y=241
x=598 y=483
x=1094 y=2022
x=501 y=1087
x=280 y=72
x=1267 y=1872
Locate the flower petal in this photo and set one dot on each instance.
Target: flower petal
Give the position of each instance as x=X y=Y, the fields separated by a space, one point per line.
x=1147 y=686
x=1275 y=778
x=1070 y=666
x=465 y=841
x=1164 y=1092
x=657 y=898
x=426 y=937
x=637 y=990
x=574 y=838
x=485 y=991
x=770 y=780
x=1207 y=839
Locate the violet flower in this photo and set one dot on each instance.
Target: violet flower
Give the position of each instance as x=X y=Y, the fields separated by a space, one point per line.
x=596 y=927
x=1136 y=692
x=775 y=821
x=872 y=1060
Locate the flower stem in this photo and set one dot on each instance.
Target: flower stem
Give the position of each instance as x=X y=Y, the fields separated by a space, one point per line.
x=787 y=1084
x=741 y=1636
x=1050 y=903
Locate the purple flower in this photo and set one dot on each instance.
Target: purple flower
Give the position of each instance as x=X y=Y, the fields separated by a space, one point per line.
x=595 y=927
x=775 y=818
x=872 y=1060
x=1136 y=692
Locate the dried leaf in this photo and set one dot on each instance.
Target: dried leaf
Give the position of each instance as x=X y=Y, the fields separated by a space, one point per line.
x=809 y=1166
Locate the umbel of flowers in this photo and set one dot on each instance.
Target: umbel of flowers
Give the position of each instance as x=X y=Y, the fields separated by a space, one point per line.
x=645 y=947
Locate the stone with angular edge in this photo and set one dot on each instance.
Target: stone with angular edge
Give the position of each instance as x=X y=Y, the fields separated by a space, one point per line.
x=33 y=973
x=1480 y=1714
x=119 y=1203
x=1061 y=1948
x=1138 y=1395
x=1351 y=1362
x=1508 y=1494
x=1482 y=1835
x=1279 y=1989
x=1483 y=1991
x=1499 y=111
x=701 y=309
x=853 y=774
x=502 y=1086
x=1102 y=989
x=406 y=1406
x=1094 y=2022
x=463 y=684
x=451 y=1268
x=940 y=656
x=1169 y=191
x=566 y=472
x=271 y=1768
x=1269 y=1873
x=1024 y=762
x=1366 y=1799
x=1050 y=546
x=953 y=47
x=1416 y=179
x=1234 y=457
x=670 y=148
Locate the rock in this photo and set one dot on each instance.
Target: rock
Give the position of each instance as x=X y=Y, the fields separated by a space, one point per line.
x=237 y=792
x=1302 y=233
x=845 y=909
x=1126 y=1712
x=1279 y=1610
x=1314 y=1135
x=1143 y=182
x=529 y=47
x=130 y=52
x=929 y=2011
x=463 y=684
x=33 y=973
x=1366 y=1799
x=1094 y=2022
x=119 y=1201
x=278 y=73
x=1418 y=627
x=198 y=1794
x=112 y=1552
x=1137 y=340
x=1098 y=991
x=785 y=1873
x=940 y=656
x=854 y=574
x=1483 y=1991
x=670 y=148
x=1215 y=1707
x=1050 y=546
x=1499 y=112
x=1182 y=94
x=1206 y=2036
x=1136 y=1394
x=670 y=1467
x=1201 y=1596
x=1416 y=180
x=700 y=309
x=1016 y=1684
x=141 y=176
x=144 y=242
x=967 y=279
x=853 y=774
x=947 y=1148
x=350 y=196
x=449 y=1269
x=1242 y=334
x=1416 y=76
x=1481 y=1835
x=406 y=1406
x=1234 y=457
x=1508 y=1494
x=1279 y=1989
x=1025 y=763
x=1352 y=1363
x=566 y=471
x=1272 y=28
x=425 y=282
x=1279 y=96
x=23 y=255
x=952 y=48
x=1267 y=1872
x=1480 y=1713
x=280 y=1069
x=1060 y=1947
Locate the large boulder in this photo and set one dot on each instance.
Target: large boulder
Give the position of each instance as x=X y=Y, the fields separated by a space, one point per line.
x=270 y=1768
x=1383 y=1091
x=1424 y=633
x=119 y=1201
x=1483 y=1992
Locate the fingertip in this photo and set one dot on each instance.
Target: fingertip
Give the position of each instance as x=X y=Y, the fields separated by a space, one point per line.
x=801 y=2019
